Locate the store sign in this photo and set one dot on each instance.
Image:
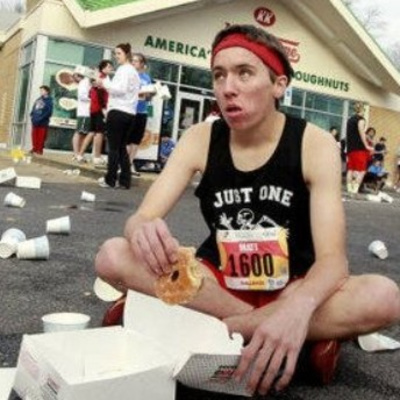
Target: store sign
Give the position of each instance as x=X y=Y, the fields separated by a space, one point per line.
x=290 y=46
x=264 y=16
x=319 y=80
x=291 y=49
x=176 y=47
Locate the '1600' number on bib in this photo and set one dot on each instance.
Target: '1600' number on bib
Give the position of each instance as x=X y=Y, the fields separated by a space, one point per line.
x=254 y=259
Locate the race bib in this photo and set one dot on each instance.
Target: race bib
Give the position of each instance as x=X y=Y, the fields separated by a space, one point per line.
x=254 y=259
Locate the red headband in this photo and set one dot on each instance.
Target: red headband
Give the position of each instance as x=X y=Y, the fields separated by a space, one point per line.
x=267 y=55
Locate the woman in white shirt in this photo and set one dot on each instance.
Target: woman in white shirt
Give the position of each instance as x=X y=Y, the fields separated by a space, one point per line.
x=123 y=96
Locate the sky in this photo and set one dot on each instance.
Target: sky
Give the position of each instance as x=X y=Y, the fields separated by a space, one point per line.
x=390 y=14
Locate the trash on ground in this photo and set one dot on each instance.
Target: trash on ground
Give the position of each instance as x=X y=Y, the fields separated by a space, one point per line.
x=34 y=249
x=377 y=342
x=13 y=200
x=60 y=225
x=104 y=291
x=89 y=197
x=65 y=321
x=7 y=175
x=378 y=249
x=9 y=242
x=28 y=182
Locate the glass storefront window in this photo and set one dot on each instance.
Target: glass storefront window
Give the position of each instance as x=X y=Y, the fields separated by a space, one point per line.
x=74 y=53
x=324 y=121
x=320 y=102
x=163 y=71
x=167 y=123
x=27 y=53
x=25 y=73
x=297 y=97
x=294 y=111
x=196 y=77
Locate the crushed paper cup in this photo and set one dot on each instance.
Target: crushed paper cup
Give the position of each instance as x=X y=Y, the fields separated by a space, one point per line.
x=9 y=242
x=13 y=200
x=104 y=291
x=7 y=174
x=377 y=342
x=89 y=197
x=385 y=197
x=378 y=249
x=28 y=182
x=65 y=321
x=375 y=198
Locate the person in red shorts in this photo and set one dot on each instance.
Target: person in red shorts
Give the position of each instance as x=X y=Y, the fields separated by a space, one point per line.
x=40 y=118
x=358 y=149
x=274 y=262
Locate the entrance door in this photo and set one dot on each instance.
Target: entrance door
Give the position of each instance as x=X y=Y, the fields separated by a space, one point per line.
x=191 y=109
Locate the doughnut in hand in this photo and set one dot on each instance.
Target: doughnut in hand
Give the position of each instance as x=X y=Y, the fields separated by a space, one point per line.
x=183 y=283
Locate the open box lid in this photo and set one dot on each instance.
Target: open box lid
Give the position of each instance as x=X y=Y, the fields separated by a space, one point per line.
x=179 y=329
x=204 y=354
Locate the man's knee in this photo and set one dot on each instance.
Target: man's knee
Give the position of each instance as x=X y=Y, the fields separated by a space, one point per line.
x=384 y=298
x=108 y=257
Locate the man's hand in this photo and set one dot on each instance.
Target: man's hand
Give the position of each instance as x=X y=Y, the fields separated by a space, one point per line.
x=153 y=244
x=273 y=350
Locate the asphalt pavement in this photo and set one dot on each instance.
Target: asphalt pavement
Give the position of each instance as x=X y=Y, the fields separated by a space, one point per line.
x=64 y=282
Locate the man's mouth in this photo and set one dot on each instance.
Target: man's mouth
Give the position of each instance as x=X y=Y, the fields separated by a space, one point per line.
x=233 y=109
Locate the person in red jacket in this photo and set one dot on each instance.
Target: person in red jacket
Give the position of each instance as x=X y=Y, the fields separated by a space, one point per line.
x=98 y=106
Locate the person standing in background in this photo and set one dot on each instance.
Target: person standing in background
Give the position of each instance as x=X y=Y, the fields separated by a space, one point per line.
x=40 y=118
x=123 y=92
x=358 y=149
x=82 y=114
x=139 y=126
x=380 y=150
x=98 y=109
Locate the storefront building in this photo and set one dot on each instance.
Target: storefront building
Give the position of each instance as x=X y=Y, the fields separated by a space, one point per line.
x=336 y=63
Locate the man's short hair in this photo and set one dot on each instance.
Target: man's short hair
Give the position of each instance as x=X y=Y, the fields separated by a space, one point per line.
x=46 y=88
x=258 y=35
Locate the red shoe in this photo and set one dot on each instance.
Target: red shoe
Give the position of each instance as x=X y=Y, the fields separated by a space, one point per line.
x=324 y=356
x=114 y=315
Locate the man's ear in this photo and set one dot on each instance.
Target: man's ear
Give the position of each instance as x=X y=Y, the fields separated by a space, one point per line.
x=280 y=85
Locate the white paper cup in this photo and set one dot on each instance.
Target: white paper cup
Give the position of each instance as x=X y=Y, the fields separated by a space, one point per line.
x=7 y=174
x=105 y=291
x=13 y=200
x=65 y=321
x=9 y=241
x=385 y=197
x=86 y=196
x=377 y=342
x=36 y=248
x=378 y=249
x=375 y=198
x=59 y=225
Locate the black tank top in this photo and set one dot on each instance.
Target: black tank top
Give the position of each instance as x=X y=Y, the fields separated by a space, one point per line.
x=354 y=141
x=273 y=195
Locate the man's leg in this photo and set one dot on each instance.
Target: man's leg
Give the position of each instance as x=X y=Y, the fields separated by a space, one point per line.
x=41 y=138
x=97 y=144
x=116 y=264
x=85 y=143
x=364 y=304
x=76 y=142
x=34 y=139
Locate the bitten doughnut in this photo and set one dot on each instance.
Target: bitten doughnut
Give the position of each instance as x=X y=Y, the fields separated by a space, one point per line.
x=183 y=283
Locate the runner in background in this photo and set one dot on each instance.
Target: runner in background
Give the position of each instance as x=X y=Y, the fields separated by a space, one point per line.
x=139 y=126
